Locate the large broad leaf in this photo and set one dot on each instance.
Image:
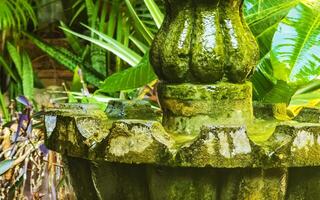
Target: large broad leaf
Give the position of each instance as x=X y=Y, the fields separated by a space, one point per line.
x=262 y=79
x=263 y=17
x=280 y=93
x=131 y=78
x=295 y=54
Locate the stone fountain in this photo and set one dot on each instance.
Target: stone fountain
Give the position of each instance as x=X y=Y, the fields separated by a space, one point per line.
x=205 y=143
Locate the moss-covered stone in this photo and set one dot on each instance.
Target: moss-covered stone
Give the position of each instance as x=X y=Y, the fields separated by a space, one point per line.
x=219 y=147
x=120 y=181
x=183 y=183
x=187 y=107
x=303 y=184
x=79 y=171
x=266 y=184
x=137 y=109
x=135 y=141
x=106 y=159
x=204 y=41
x=309 y=115
x=95 y=137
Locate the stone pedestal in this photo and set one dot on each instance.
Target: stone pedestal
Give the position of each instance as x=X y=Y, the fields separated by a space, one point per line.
x=129 y=159
x=203 y=55
x=188 y=107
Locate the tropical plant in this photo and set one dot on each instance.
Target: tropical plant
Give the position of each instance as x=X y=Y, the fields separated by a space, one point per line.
x=16 y=16
x=146 y=18
x=286 y=32
x=128 y=40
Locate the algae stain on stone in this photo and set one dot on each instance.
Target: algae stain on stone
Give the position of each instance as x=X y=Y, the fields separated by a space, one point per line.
x=137 y=142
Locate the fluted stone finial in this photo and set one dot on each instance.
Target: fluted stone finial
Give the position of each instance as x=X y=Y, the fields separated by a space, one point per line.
x=203 y=54
x=204 y=41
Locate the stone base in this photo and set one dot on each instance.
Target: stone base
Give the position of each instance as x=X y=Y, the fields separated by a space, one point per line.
x=188 y=107
x=112 y=158
x=105 y=180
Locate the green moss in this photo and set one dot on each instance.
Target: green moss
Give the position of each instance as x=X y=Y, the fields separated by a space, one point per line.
x=187 y=107
x=138 y=109
x=310 y=115
x=203 y=42
x=304 y=183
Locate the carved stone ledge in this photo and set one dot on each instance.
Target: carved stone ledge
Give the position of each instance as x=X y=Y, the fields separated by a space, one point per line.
x=143 y=141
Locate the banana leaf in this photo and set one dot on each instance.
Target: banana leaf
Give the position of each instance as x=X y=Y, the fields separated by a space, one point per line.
x=295 y=54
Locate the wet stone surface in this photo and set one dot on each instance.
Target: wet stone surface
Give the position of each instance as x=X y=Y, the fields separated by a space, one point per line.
x=204 y=41
x=92 y=136
x=112 y=156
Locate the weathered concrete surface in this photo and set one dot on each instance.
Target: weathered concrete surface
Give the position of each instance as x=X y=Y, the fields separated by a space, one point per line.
x=188 y=107
x=311 y=115
x=91 y=135
x=126 y=109
x=113 y=158
x=105 y=180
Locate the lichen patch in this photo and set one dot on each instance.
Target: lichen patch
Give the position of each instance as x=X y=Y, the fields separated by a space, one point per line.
x=240 y=142
x=224 y=145
x=137 y=142
x=303 y=139
x=50 y=123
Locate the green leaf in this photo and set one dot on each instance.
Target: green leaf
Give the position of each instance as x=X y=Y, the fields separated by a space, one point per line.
x=295 y=54
x=128 y=55
x=8 y=69
x=4 y=108
x=76 y=81
x=5 y=166
x=262 y=79
x=67 y=59
x=141 y=46
x=80 y=9
x=73 y=41
x=280 y=93
x=263 y=17
x=15 y=56
x=27 y=76
x=304 y=99
x=156 y=13
x=142 y=29
x=131 y=78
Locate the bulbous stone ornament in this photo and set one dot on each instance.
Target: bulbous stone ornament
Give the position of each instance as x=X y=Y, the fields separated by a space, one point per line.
x=204 y=41
x=203 y=54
